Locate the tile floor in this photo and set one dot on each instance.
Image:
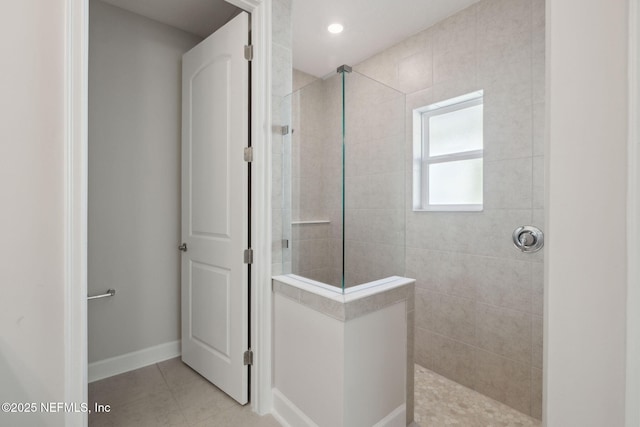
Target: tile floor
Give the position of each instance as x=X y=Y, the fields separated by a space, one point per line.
x=170 y=394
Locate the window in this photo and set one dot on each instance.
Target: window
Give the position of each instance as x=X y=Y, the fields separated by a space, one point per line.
x=448 y=151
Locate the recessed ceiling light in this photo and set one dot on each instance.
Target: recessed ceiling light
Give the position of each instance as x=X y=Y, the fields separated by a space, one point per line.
x=335 y=28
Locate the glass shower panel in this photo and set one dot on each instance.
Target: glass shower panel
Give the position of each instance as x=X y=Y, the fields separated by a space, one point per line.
x=343 y=181
x=374 y=180
x=310 y=151
x=282 y=219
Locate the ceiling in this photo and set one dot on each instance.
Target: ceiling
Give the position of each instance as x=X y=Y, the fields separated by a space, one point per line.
x=370 y=26
x=201 y=17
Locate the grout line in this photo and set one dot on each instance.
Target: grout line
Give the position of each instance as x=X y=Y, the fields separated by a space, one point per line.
x=532 y=261
x=475 y=300
x=475 y=347
x=173 y=396
x=164 y=378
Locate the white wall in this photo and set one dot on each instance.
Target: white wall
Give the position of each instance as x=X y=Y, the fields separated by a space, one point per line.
x=586 y=170
x=375 y=366
x=633 y=230
x=32 y=206
x=134 y=180
x=311 y=380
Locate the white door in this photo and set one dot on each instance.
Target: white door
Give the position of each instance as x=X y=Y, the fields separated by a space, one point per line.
x=214 y=208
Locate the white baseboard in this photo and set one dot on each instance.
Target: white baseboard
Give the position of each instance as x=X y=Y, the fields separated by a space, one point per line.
x=288 y=414
x=130 y=361
x=396 y=418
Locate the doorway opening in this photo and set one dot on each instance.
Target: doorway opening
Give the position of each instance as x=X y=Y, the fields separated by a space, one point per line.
x=136 y=111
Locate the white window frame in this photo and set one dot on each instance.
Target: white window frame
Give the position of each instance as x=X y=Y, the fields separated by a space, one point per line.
x=422 y=160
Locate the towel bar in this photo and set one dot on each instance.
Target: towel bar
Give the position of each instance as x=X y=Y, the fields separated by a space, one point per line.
x=317 y=221
x=110 y=293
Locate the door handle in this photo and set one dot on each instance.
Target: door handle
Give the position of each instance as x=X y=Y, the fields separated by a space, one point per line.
x=183 y=247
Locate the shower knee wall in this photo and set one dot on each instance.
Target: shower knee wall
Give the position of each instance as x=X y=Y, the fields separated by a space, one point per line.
x=343 y=359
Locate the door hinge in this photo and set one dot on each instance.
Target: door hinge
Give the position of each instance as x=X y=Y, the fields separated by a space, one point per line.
x=248 y=256
x=248 y=154
x=285 y=243
x=285 y=130
x=248 y=357
x=248 y=52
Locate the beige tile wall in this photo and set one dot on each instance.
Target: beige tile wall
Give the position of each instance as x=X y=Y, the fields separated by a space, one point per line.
x=478 y=300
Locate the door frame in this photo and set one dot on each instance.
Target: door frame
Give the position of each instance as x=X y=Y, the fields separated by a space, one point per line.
x=632 y=406
x=76 y=197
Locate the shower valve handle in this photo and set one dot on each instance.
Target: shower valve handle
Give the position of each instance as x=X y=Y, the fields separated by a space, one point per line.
x=528 y=238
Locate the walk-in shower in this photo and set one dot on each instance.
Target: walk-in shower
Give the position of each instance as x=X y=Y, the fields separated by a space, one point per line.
x=355 y=158
x=344 y=180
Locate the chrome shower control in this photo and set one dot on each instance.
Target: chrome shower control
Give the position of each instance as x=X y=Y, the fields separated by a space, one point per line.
x=528 y=238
